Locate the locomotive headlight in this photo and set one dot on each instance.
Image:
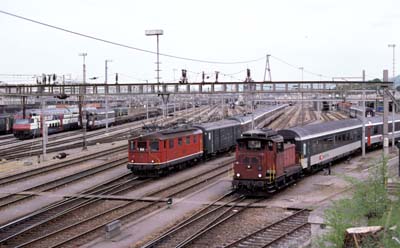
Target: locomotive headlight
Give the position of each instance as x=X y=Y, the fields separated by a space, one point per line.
x=249 y=167
x=132 y=160
x=259 y=175
x=237 y=174
x=152 y=161
x=237 y=162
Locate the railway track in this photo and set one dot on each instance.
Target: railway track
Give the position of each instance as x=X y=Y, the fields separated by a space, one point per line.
x=56 y=166
x=5 y=201
x=278 y=233
x=34 y=147
x=337 y=115
x=285 y=119
x=76 y=228
x=15 y=231
x=202 y=222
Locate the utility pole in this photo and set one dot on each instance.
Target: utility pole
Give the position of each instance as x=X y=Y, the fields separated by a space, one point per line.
x=44 y=126
x=81 y=102
x=393 y=46
x=302 y=102
x=363 y=116
x=106 y=90
x=385 y=114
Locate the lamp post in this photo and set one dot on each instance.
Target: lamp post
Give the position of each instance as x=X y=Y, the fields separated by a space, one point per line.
x=393 y=46
x=81 y=102
x=84 y=66
x=106 y=90
x=302 y=104
x=156 y=32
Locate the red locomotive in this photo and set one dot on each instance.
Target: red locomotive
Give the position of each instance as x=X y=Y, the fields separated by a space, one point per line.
x=264 y=163
x=157 y=153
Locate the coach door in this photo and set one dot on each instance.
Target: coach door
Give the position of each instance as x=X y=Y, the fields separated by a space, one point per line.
x=7 y=124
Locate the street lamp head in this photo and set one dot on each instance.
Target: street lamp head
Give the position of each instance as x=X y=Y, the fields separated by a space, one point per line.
x=154 y=32
x=82 y=54
x=392 y=45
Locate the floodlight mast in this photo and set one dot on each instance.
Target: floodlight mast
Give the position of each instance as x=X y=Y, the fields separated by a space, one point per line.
x=156 y=32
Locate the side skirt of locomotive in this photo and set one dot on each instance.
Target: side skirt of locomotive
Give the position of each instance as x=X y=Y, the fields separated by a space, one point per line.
x=266 y=186
x=158 y=170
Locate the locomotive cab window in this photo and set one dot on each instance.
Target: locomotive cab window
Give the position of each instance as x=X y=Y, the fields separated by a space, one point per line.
x=171 y=143
x=154 y=146
x=270 y=146
x=142 y=145
x=194 y=139
x=179 y=141
x=279 y=146
x=187 y=140
x=254 y=144
x=132 y=145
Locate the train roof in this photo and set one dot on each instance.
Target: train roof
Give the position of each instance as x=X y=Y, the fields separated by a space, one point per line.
x=320 y=129
x=99 y=111
x=257 y=113
x=217 y=125
x=358 y=108
x=262 y=134
x=170 y=133
x=331 y=127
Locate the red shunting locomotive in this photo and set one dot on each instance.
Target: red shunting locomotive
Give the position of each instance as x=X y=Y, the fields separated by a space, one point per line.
x=264 y=163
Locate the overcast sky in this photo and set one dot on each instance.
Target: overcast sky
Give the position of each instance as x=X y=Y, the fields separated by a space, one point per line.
x=337 y=38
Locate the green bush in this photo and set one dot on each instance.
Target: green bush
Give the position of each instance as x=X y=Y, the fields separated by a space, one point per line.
x=369 y=205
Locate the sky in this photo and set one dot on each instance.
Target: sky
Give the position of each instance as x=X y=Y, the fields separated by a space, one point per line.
x=331 y=38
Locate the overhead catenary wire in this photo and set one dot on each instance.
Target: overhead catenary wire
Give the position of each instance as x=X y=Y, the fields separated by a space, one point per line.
x=128 y=46
x=297 y=67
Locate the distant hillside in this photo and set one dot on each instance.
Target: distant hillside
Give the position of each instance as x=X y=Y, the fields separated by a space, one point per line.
x=397 y=80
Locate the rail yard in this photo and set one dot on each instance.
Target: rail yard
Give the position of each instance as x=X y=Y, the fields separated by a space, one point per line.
x=232 y=124
x=71 y=198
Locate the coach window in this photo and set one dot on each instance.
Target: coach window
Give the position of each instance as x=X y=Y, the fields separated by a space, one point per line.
x=179 y=141
x=171 y=143
x=154 y=146
x=187 y=140
x=142 y=145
